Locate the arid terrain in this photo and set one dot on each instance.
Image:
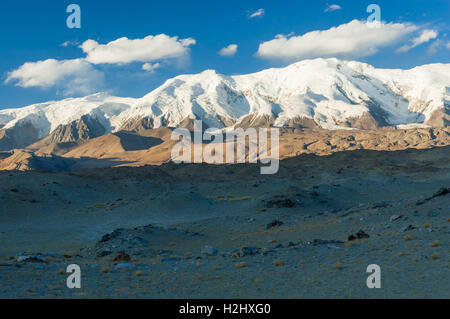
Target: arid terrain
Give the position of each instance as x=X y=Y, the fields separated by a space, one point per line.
x=210 y=231
x=153 y=147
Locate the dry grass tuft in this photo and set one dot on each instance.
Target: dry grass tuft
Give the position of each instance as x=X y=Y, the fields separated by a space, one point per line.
x=278 y=263
x=240 y=265
x=436 y=243
x=105 y=270
x=338 y=265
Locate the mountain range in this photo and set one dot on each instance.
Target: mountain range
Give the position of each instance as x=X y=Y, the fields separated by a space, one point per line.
x=324 y=93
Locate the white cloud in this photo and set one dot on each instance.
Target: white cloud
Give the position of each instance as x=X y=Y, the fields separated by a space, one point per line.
x=258 y=13
x=148 y=49
x=71 y=76
x=80 y=76
x=448 y=45
x=424 y=37
x=332 y=7
x=434 y=47
x=149 y=67
x=229 y=50
x=352 y=40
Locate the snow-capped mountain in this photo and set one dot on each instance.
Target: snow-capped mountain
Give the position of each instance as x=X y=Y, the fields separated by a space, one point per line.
x=330 y=93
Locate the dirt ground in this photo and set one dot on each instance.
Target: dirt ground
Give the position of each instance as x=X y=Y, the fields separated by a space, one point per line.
x=203 y=231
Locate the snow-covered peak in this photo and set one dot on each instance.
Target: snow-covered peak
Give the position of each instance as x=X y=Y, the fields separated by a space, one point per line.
x=46 y=117
x=328 y=91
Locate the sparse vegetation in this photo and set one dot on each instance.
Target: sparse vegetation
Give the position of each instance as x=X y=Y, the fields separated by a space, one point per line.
x=105 y=270
x=278 y=263
x=240 y=265
x=338 y=265
x=436 y=243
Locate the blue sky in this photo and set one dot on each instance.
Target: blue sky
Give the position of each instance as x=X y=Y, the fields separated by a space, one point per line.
x=414 y=33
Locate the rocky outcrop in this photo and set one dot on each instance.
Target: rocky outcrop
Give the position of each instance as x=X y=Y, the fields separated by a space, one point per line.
x=83 y=129
x=137 y=124
x=19 y=136
x=364 y=122
x=303 y=122
x=25 y=161
x=440 y=118
x=255 y=120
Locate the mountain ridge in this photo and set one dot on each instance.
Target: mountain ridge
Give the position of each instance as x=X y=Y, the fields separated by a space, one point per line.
x=326 y=93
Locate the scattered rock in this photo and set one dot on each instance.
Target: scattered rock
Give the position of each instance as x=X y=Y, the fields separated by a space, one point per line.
x=31 y=258
x=281 y=203
x=105 y=252
x=249 y=251
x=443 y=191
x=124 y=266
x=122 y=256
x=395 y=217
x=108 y=237
x=433 y=214
x=359 y=235
x=244 y=251
x=275 y=223
x=407 y=228
x=380 y=205
x=209 y=251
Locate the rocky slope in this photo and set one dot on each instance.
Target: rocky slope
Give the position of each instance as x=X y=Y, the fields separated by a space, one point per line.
x=228 y=232
x=153 y=147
